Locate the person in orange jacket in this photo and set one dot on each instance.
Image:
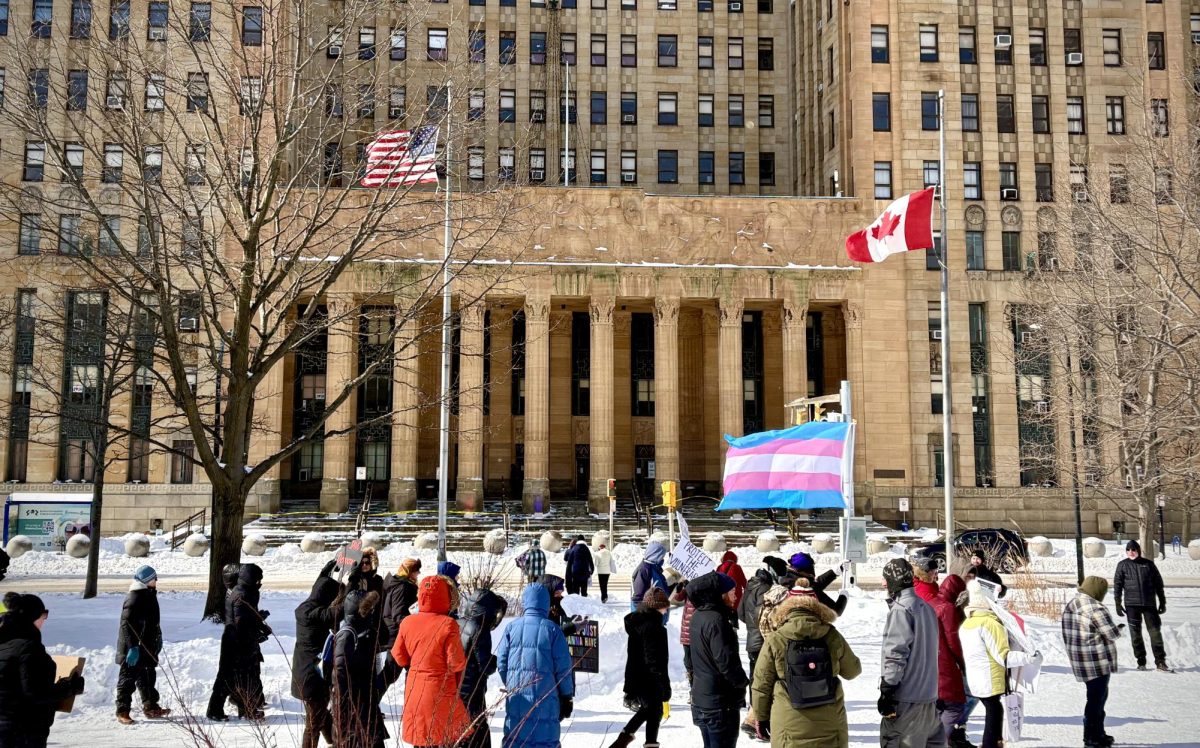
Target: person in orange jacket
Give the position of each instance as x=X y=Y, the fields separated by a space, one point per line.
x=428 y=644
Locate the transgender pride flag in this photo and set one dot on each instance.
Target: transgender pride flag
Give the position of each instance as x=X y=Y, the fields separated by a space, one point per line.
x=797 y=468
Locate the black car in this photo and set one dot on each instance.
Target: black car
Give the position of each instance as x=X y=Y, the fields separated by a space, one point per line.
x=1003 y=550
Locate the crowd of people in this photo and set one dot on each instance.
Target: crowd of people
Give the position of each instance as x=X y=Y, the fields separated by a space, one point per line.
x=944 y=650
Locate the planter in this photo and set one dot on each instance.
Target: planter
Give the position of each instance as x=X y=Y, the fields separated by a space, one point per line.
x=877 y=545
x=495 y=542
x=822 y=543
x=714 y=542
x=79 y=546
x=18 y=545
x=552 y=541
x=1193 y=550
x=137 y=546
x=196 y=545
x=1094 y=548
x=373 y=540
x=1039 y=546
x=313 y=542
x=766 y=542
x=254 y=545
x=427 y=541
x=601 y=537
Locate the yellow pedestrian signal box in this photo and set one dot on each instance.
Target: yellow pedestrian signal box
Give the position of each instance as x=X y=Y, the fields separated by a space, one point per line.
x=670 y=494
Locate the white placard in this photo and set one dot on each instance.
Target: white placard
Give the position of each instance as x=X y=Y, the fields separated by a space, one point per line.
x=904 y=504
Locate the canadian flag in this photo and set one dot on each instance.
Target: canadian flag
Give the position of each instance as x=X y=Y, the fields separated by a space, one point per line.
x=903 y=227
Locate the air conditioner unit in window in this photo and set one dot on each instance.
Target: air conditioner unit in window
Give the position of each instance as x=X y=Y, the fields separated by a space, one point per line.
x=335 y=50
x=319 y=397
x=1196 y=37
x=628 y=119
x=1074 y=58
x=114 y=102
x=1008 y=193
x=1041 y=406
x=77 y=324
x=1081 y=196
x=189 y=324
x=537 y=175
x=935 y=334
x=1003 y=41
x=1026 y=338
x=304 y=475
x=156 y=33
x=537 y=117
x=628 y=176
x=735 y=7
x=1052 y=263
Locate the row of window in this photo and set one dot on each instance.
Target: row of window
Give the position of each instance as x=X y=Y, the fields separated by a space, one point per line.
x=199 y=21
x=668 y=166
x=1003 y=42
x=1006 y=121
x=77 y=237
x=703 y=6
x=1045 y=257
x=1043 y=173
x=116 y=91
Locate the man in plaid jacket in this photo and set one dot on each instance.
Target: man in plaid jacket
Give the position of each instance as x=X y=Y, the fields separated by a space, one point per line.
x=533 y=562
x=1090 y=636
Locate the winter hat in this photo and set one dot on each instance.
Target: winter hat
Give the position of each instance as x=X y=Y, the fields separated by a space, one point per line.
x=803 y=564
x=409 y=567
x=776 y=565
x=579 y=538
x=28 y=607
x=448 y=569
x=655 y=599
x=927 y=564
x=229 y=575
x=145 y=574
x=725 y=582
x=977 y=596
x=1095 y=588
x=801 y=589
x=1133 y=545
x=898 y=575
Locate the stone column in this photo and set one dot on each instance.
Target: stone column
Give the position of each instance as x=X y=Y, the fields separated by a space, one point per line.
x=729 y=370
x=402 y=489
x=666 y=390
x=794 y=317
x=600 y=420
x=340 y=365
x=536 y=491
x=469 y=496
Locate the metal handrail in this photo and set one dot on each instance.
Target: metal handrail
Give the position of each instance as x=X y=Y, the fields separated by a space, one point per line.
x=177 y=539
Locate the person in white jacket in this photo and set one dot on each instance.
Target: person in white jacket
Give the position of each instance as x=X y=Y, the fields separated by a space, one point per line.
x=988 y=658
x=604 y=568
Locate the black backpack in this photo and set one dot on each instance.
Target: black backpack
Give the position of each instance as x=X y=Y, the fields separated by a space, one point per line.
x=810 y=680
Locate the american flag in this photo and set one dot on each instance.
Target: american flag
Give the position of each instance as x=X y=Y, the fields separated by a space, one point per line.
x=402 y=157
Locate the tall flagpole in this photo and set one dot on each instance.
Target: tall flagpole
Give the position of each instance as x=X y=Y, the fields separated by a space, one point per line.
x=947 y=389
x=444 y=431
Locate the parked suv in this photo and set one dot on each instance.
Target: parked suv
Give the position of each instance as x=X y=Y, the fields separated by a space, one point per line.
x=1003 y=550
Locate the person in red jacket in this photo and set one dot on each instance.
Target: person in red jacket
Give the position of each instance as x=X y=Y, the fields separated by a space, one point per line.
x=925 y=584
x=428 y=644
x=729 y=567
x=952 y=696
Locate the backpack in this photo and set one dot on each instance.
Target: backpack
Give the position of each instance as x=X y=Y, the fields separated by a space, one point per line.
x=810 y=680
x=325 y=663
x=522 y=560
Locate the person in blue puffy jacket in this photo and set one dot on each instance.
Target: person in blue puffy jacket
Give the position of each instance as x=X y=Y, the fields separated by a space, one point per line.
x=535 y=665
x=649 y=573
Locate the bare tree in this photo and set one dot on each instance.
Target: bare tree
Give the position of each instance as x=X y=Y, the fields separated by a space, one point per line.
x=210 y=186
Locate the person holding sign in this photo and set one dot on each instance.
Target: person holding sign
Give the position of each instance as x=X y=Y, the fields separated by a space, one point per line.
x=647 y=683
x=29 y=691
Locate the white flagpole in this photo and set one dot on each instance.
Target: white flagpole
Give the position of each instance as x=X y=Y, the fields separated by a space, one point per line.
x=444 y=431
x=847 y=479
x=947 y=389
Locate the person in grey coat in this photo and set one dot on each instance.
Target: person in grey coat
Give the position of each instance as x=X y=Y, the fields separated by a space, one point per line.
x=908 y=686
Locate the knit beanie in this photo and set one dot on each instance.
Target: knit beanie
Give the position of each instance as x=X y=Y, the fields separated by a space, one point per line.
x=655 y=599
x=898 y=575
x=977 y=596
x=801 y=589
x=145 y=574
x=1133 y=545
x=28 y=607
x=803 y=564
x=725 y=582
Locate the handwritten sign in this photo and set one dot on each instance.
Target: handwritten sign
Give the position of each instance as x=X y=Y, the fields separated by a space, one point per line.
x=584 y=646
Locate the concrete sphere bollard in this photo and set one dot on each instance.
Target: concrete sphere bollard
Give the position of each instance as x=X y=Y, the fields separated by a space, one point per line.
x=877 y=544
x=196 y=545
x=714 y=542
x=137 y=546
x=18 y=545
x=1193 y=550
x=552 y=541
x=373 y=540
x=313 y=542
x=426 y=541
x=599 y=538
x=1041 y=547
x=494 y=542
x=79 y=546
x=766 y=542
x=1094 y=548
x=822 y=543
x=254 y=545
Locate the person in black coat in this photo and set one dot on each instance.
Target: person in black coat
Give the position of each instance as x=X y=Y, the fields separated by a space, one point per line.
x=249 y=630
x=224 y=680
x=1138 y=590
x=480 y=613
x=29 y=691
x=557 y=589
x=718 y=680
x=980 y=570
x=315 y=621
x=3 y=564
x=357 y=720
x=750 y=607
x=579 y=567
x=647 y=682
x=139 y=644
x=399 y=593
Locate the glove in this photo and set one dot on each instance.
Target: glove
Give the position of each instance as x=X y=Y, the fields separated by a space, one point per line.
x=763 y=728
x=887 y=700
x=265 y=614
x=1120 y=610
x=132 y=655
x=1162 y=607
x=77 y=684
x=666 y=711
x=327 y=569
x=941 y=705
x=565 y=708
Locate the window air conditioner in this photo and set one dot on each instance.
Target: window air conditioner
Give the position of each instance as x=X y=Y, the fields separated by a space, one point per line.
x=935 y=334
x=1074 y=58
x=1052 y=263
x=189 y=324
x=114 y=102
x=538 y=117
x=1042 y=406
x=335 y=50
x=304 y=475
x=628 y=176
x=319 y=397
x=1196 y=37
x=77 y=324
x=1003 y=41
x=1026 y=338
x=537 y=175
x=1008 y=193
x=1081 y=196
x=156 y=33
x=628 y=119
x=735 y=7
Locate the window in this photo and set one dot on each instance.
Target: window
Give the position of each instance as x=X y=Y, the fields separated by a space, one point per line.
x=928 y=36
x=668 y=167
x=114 y=163
x=1043 y=182
x=1072 y=41
x=197 y=92
x=879 y=44
x=567 y=109
x=310 y=462
x=152 y=164
x=628 y=166
x=705 y=110
x=1162 y=186
x=182 y=454
x=1075 y=116
x=39 y=88
x=1041 y=114
x=156 y=22
x=1112 y=47
x=970 y=112
x=628 y=4
x=397 y=102
x=537 y=105
x=437 y=44
x=3 y=77
x=668 y=51
x=77 y=90
x=599 y=167
x=1156 y=50
x=736 y=62
x=366 y=101
x=1160 y=118
x=1008 y=180
x=599 y=50
x=70 y=239
x=707 y=161
x=737 y=167
x=508 y=105
x=766 y=54
x=599 y=108
x=1079 y=183
x=35 y=162
x=567 y=52
x=628 y=107
x=972 y=181
x=704 y=52
x=883 y=180
x=702 y=6
x=476 y=45
x=1006 y=120
x=398 y=49
x=537 y=164
x=43 y=18
x=156 y=90
x=1114 y=107
x=476 y=101
x=333 y=102
x=929 y=110
x=3 y=17
x=507 y=162
x=193 y=166
x=930 y=173
x=628 y=51
x=475 y=163
x=666 y=4
x=30 y=240
x=766 y=110
x=966 y=45
x=831 y=130
x=252 y=26
x=737 y=113
x=1003 y=51
x=118 y=20
x=73 y=161
x=537 y=47
x=766 y=169
x=668 y=109
x=200 y=22
x=974 y=241
x=881 y=112
x=1037 y=46
x=933 y=255
x=508 y=47
x=81 y=19
x=250 y=98
x=1010 y=249
x=337 y=39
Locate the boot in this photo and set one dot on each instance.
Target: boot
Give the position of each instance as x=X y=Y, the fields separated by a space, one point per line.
x=124 y=718
x=154 y=711
x=958 y=738
x=624 y=740
x=1162 y=668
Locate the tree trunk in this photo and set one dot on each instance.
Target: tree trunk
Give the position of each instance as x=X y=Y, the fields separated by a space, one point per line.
x=228 y=512
x=1187 y=525
x=93 y=562
x=1147 y=525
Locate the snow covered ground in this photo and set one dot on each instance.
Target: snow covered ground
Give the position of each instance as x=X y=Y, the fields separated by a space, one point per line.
x=1145 y=709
